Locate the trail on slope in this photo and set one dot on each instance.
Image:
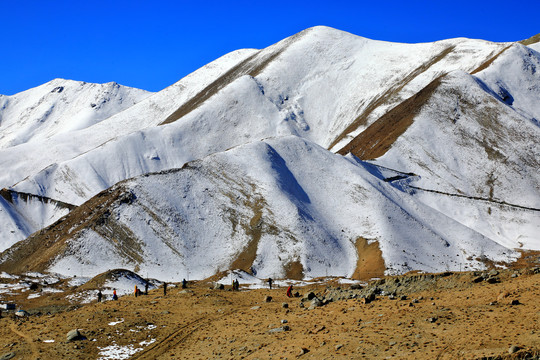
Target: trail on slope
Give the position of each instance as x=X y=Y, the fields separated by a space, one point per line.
x=27 y=339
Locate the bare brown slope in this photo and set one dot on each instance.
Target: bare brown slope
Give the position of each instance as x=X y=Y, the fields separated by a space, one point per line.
x=387 y=96
x=377 y=139
x=252 y=66
x=37 y=251
x=532 y=40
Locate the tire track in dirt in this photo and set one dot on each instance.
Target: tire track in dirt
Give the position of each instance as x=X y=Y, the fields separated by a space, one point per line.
x=27 y=339
x=177 y=337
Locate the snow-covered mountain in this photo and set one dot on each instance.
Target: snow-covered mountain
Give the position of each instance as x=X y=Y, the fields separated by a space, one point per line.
x=281 y=207
x=450 y=130
x=321 y=84
x=61 y=106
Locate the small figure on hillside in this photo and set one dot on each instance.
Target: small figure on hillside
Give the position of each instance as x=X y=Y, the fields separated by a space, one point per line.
x=236 y=285
x=164 y=289
x=99 y=296
x=184 y=283
x=270 y=283
x=136 y=291
x=146 y=288
x=289 y=291
x=114 y=296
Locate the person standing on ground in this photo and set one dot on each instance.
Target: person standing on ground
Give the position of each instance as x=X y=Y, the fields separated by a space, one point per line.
x=270 y=283
x=184 y=283
x=99 y=296
x=289 y=291
x=114 y=296
x=164 y=289
x=146 y=288
x=136 y=291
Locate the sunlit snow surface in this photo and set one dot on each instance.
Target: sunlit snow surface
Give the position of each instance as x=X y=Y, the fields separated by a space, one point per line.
x=313 y=205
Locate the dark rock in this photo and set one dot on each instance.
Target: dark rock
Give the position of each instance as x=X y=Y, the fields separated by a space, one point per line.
x=513 y=349
x=7 y=356
x=303 y=351
x=280 y=329
x=310 y=295
x=268 y=298
x=285 y=305
x=218 y=286
x=356 y=287
x=515 y=302
x=478 y=279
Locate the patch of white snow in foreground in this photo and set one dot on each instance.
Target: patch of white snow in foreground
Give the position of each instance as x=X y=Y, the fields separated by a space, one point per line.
x=115 y=351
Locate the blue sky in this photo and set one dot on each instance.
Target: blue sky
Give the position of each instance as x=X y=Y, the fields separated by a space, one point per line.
x=152 y=44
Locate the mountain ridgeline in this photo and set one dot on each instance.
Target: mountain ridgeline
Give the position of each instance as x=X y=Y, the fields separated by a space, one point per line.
x=324 y=154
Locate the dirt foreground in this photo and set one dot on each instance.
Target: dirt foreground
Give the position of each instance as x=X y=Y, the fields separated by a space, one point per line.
x=416 y=316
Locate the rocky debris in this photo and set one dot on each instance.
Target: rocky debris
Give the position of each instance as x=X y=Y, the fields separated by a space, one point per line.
x=338 y=346
x=432 y=319
x=356 y=287
x=515 y=302
x=7 y=356
x=285 y=305
x=279 y=329
x=284 y=321
x=315 y=303
x=268 y=298
x=255 y=308
x=493 y=280
x=513 y=349
x=309 y=296
x=74 y=335
x=303 y=351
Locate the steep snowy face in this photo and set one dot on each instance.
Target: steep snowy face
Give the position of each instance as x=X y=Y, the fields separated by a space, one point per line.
x=281 y=207
x=514 y=78
x=61 y=106
x=474 y=155
x=23 y=214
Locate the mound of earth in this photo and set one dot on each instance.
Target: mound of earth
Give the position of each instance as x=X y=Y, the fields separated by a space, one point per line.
x=472 y=315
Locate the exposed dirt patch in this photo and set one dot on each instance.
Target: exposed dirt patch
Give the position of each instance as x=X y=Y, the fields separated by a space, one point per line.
x=391 y=93
x=294 y=270
x=378 y=138
x=486 y=64
x=370 y=261
x=532 y=40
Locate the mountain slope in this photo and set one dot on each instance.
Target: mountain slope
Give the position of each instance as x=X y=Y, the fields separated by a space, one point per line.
x=474 y=137
x=48 y=151
x=321 y=84
x=61 y=106
x=279 y=207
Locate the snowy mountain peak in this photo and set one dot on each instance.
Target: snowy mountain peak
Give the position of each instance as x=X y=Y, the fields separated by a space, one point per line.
x=450 y=130
x=60 y=106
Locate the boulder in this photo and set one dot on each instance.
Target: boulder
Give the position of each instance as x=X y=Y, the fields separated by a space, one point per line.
x=218 y=286
x=74 y=335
